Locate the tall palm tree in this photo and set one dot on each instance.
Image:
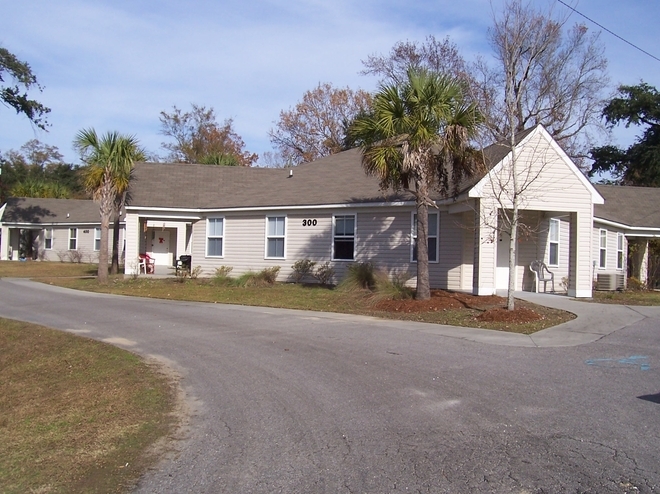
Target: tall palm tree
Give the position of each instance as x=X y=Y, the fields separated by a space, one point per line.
x=416 y=138
x=109 y=160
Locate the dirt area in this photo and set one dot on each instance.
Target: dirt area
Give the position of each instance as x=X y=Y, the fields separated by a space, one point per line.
x=492 y=309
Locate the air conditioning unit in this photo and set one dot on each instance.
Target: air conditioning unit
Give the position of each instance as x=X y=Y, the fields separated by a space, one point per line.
x=610 y=282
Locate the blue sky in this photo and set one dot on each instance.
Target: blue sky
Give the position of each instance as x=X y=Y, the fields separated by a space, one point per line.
x=115 y=65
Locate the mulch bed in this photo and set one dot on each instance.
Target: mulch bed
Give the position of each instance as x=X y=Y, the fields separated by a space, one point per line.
x=491 y=308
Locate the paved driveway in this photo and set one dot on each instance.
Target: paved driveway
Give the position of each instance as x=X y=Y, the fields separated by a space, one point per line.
x=299 y=402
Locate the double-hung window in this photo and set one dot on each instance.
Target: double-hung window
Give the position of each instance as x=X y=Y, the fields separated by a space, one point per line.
x=48 y=238
x=432 y=234
x=73 y=239
x=97 y=239
x=343 y=246
x=275 y=235
x=553 y=242
x=619 y=250
x=602 y=250
x=215 y=234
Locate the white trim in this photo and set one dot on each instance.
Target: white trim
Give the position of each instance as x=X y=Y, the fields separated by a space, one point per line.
x=221 y=237
x=601 y=248
x=277 y=208
x=550 y=241
x=625 y=227
x=334 y=224
x=620 y=238
x=268 y=237
x=413 y=236
x=76 y=238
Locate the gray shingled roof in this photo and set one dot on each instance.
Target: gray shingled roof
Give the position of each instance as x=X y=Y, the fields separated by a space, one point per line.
x=633 y=206
x=336 y=179
x=34 y=210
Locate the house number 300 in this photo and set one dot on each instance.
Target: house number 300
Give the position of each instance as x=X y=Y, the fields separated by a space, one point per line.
x=309 y=222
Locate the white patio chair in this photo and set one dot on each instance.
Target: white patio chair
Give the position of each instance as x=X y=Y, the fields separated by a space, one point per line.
x=542 y=274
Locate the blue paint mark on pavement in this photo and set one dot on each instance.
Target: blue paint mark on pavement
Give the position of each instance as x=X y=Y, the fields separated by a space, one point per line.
x=635 y=360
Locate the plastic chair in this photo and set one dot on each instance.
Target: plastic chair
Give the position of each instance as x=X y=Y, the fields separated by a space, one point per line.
x=146 y=264
x=542 y=274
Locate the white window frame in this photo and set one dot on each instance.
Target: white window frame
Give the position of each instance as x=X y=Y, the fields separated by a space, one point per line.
x=73 y=238
x=275 y=236
x=620 y=244
x=221 y=236
x=602 y=248
x=343 y=236
x=553 y=241
x=413 y=237
x=48 y=235
x=97 y=239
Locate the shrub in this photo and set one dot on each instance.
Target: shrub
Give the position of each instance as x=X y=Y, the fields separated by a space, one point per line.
x=394 y=287
x=635 y=285
x=324 y=273
x=360 y=276
x=183 y=274
x=222 y=274
x=75 y=256
x=301 y=269
x=266 y=276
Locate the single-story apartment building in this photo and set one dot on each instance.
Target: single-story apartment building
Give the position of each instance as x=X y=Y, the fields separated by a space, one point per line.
x=330 y=211
x=67 y=230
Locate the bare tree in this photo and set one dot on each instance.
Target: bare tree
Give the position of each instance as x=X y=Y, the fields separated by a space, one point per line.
x=199 y=138
x=316 y=126
x=545 y=74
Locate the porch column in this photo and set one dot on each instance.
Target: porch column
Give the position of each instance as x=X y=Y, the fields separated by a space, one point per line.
x=133 y=232
x=580 y=267
x=483 y=275
x=4 y=244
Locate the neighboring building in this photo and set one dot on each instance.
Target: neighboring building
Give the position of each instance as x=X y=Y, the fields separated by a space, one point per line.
x=67 y=230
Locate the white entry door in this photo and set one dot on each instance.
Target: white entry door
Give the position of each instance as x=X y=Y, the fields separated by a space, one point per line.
x=502 y=270
x=160 y=248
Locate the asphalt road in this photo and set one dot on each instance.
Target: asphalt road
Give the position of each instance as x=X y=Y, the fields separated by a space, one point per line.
x=300 y=402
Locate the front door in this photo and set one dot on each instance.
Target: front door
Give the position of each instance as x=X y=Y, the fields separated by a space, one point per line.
x=502 y=271
x=160 y=248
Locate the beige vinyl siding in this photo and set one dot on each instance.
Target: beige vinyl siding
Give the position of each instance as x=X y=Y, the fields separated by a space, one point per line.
x=611 y=261
x=60 y=243
x=447 y=273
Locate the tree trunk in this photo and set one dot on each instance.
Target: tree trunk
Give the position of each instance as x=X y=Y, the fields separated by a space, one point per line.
x=423 y=285
x=106 y=200
x=116 y=213
x=510 y=300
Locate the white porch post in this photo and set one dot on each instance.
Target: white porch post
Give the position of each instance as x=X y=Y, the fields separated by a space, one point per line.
x=132 y=243
x=580 y=275
x=485 y=260
x=5 y=241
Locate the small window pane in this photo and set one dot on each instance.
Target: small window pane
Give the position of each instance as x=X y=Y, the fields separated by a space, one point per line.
x=215 y=247
x=344 y=249
x=433 y=224
x=554 y=254
x=215 y=227
x=275 y=247
x=276 y=226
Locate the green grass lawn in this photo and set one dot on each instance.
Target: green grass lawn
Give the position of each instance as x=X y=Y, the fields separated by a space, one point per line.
x=76 y=415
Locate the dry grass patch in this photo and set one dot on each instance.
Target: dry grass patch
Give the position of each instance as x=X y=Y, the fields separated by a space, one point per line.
x=628 y=297
x=33 y=269
x=77 y=415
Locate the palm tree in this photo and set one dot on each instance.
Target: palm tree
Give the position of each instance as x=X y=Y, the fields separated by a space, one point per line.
x=109 y=160
x=416 y=138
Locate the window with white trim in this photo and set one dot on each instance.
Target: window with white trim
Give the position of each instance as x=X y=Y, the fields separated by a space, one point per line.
x=48 y=238
x=433 y=237
x=97 y=239
x=602 y=249
x=343 y=236
x=73 y=239
x=619 y=250
x=215 y=235
x=553 y=242
x=275 y=236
